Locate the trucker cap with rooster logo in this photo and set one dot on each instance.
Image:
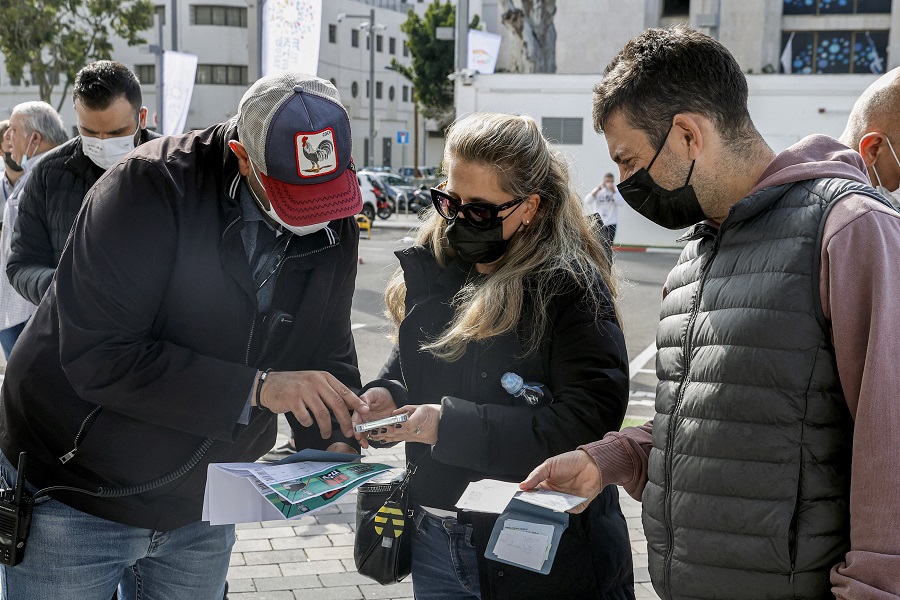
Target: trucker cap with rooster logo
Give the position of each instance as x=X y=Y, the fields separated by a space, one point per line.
x=297 y=134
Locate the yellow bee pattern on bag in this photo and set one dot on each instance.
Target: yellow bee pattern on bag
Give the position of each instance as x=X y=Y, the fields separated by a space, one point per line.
x=389 y=523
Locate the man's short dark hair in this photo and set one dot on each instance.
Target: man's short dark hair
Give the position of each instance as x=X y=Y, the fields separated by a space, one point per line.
x=99 y=84
x=663 y=72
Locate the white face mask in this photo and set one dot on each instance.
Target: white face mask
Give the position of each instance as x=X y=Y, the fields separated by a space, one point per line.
x=106 y=153
x=295 y=229
x=25 y=157
x=892 y=197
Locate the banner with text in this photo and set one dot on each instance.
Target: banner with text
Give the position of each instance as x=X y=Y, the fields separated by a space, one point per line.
x=179 y=73
x=290 y=36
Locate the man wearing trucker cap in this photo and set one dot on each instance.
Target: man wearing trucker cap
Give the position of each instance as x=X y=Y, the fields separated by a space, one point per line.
x=205 y=287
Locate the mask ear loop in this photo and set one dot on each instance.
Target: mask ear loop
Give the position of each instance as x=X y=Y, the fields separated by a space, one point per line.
x=661 y=146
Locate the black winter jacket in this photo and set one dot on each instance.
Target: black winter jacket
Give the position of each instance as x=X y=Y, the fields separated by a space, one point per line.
x=486 y=433
x=149 y=338
x=47 y=208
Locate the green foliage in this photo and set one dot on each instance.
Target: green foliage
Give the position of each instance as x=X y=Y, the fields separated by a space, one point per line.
x=432 y=59
x=54 y=39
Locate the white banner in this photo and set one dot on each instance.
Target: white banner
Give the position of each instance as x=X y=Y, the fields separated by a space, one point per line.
x=290 y=36
x=483 y=50
x=179 y=73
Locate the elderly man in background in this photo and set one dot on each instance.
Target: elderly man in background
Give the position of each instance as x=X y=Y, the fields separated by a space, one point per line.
x=34 y=128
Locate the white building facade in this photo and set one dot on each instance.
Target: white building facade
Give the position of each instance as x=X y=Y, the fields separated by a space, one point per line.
x=831 y=61
x=224 y=36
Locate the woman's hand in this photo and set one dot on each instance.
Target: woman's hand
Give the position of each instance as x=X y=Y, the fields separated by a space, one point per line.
x=381 y=404
x=421 y=427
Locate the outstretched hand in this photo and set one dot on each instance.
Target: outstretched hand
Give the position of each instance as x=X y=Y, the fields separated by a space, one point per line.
x=573 y=473
x=312 y=396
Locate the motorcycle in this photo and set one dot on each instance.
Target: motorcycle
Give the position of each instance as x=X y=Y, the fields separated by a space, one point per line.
x=384 y=207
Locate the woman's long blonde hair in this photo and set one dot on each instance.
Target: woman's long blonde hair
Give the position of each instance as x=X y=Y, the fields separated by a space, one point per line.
x=558 y=249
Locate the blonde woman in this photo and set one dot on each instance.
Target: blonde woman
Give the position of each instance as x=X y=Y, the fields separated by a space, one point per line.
x=507 y=276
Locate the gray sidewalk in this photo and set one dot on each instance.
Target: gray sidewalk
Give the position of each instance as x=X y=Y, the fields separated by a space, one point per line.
x=313 y=558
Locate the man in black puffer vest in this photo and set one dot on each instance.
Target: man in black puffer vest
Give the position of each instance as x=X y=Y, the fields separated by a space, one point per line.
x=770 y=468
x=112 y=121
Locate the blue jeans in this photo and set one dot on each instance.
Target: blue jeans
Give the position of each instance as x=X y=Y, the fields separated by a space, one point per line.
x=444 y=559
x=74 y=555
x=9 y=336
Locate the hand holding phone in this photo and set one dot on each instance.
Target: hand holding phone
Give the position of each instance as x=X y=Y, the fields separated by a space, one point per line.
x=370 y=425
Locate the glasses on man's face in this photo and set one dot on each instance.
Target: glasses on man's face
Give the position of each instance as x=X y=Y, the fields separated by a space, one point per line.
x=481 y=215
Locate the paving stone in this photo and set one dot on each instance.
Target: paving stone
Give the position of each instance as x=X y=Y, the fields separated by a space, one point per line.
x=640 y=560
x=274 y=556
x=304 y=541
x=241 y=585
x=240 y=526
x=285 y=523
x=314 y=567
x=254 y=571
x=645 y=591
x=386 y=592
x=343 y=539
x=336 y=518
x=294 y=582
x=251 y=546
x=330 y=553
x=237 y=559
x=639 y=547
x=259 y=534
x=350 y=592
x=641 y=575
x=339 y=579
x=315 y=529
x=349 y=564
x=282 y=595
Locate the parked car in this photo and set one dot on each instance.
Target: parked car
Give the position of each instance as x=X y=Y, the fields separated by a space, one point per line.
x=398 y=189
x=424 y=172
x=375 y=196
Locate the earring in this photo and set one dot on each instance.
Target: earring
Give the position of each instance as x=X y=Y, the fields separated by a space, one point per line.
x=527 y=221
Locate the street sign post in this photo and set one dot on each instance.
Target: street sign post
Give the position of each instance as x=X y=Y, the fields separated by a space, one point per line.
x=403 y=140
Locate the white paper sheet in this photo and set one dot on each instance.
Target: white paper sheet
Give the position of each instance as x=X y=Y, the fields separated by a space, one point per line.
x=556 y=501
x=524 y=543
x=487 y=495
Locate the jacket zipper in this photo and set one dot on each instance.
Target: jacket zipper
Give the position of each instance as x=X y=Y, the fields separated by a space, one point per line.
x=686 y=349
x=81 y=431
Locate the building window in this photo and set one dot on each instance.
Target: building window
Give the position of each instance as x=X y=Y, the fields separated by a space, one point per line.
x=221 y=75
x=406 y=93
x=354 y=89
x=808 y=52
x=223 y=16
x=368 y=40
x=368 y=86
x=836 y=7
x=563 y=130
x=392 y=45
x=676 y=8
x=146 y=74
x=333 y=82
x=378 y=92
x=405 y=49
x=354 y=38
x=379 y=43
x=332 y=34
x=391 y=93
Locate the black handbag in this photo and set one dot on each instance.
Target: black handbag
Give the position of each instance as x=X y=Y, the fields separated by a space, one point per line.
x=383 y=547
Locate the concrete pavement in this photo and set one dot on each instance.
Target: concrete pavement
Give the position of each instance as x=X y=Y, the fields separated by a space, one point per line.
x=312 y=559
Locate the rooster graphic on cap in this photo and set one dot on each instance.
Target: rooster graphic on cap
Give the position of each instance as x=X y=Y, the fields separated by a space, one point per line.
x=316 y=155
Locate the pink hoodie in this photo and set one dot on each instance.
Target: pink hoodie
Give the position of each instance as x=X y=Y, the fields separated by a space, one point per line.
x=860 y=291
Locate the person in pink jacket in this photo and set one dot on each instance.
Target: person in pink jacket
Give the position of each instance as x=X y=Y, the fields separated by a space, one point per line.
x=714 y=170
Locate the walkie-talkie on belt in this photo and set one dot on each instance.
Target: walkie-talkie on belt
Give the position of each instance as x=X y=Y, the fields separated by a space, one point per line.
x=15 y=518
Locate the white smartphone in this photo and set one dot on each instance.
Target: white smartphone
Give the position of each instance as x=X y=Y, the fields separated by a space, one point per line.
x=362 y=427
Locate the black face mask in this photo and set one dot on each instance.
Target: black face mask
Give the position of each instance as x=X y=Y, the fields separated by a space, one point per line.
x=672 y=209
x=475 y=245
x=10 y=163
